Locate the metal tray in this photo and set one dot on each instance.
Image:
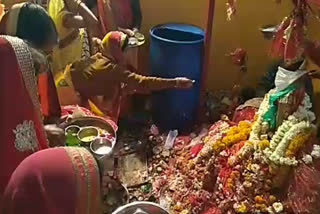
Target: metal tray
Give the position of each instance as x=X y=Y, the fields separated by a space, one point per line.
x=93 y=121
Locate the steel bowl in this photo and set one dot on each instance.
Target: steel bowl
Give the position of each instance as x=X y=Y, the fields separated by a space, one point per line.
x=102 y=146
x=73 y=129
x=139 y=36
x=142 y=207
x=88 y=134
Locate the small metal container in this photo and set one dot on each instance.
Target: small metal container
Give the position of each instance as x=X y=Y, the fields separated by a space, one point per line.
x=102 y=146
x=133 y=41
x=139 y=36
x=88 y=134
x=71 y=133
x=72 y=130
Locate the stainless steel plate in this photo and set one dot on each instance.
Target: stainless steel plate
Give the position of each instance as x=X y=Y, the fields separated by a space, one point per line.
x=141 y=207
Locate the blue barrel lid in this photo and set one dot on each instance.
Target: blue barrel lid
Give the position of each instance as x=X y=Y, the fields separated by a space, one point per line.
x=187 y=28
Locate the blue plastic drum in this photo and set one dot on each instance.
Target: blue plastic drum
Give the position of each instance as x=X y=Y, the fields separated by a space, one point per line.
x=176 y=51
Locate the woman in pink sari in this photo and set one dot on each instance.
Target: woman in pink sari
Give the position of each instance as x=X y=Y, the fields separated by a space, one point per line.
x=60 y=180
x=22 y=131
x=28 y=95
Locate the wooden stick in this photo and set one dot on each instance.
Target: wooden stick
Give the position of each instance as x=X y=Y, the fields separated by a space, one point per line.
x=206 y=57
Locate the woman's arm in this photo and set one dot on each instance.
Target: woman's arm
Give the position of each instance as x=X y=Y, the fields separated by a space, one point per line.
x=86 y=18
x=73 y=21
x=137 y=15
x=136 y=83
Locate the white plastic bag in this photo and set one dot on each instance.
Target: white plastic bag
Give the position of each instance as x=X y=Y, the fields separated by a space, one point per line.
x=284 y=77
x=170 y=139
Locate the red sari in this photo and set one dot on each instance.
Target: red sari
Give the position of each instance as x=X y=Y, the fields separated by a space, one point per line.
x=114 y=14
x=60 y=180
x=22 y=131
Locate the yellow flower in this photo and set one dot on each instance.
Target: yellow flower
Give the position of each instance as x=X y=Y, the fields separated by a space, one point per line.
x=206 y=139
x=177 y=207
x=232 y=131
x=218 y=146
x=263 y=144
x=242 y=209
x=244 y=125
x=261 y=207
x=191 y=164
x=227 y=140
x=259 y=200
x=242 y=136
x=249 y=144
x=297 y=144
x=272 y=199
x=237 y=134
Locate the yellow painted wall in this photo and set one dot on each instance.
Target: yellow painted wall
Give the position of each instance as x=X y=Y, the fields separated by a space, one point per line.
x=242 y=31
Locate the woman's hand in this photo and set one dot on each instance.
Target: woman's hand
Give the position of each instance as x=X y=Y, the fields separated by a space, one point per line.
x=129 y=32
x=314 y=74
x=183 y=83
x=96 y=42
x=55 y=135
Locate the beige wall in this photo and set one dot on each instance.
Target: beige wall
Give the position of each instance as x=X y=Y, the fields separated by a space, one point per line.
x=242 y=32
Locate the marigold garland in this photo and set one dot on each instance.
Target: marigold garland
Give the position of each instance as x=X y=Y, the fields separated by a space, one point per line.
x=234 y=135
x=297 y=144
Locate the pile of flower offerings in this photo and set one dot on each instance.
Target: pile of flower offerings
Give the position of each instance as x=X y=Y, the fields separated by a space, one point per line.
x=252 y=166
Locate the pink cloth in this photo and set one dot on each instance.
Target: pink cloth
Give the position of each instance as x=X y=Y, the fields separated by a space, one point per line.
x=22 y=131
x=54 y=181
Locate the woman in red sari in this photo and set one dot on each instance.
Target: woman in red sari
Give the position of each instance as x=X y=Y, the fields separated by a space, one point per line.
x=22 y=131
x=22 y=67
x=60 y=180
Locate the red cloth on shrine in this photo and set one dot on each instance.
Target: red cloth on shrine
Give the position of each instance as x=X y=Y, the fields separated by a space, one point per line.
x=247 y=113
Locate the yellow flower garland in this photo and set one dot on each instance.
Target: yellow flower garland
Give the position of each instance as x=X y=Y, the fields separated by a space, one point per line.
x=297 y=144
x=234 y=135
x=262 y=145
